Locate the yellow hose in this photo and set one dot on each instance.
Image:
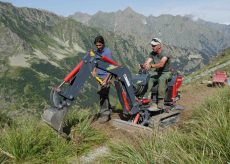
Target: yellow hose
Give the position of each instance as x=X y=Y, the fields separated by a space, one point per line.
x=99 y=80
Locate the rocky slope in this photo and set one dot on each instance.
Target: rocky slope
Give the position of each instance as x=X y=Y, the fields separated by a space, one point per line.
x=39 y=48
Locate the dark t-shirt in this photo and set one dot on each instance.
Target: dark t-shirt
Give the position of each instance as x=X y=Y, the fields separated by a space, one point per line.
x=156 y=59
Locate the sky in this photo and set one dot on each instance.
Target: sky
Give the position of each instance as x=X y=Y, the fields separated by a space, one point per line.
x=217 y=11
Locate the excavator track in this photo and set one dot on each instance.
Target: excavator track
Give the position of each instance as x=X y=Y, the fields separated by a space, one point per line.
x=159 y=121
x=164 y=120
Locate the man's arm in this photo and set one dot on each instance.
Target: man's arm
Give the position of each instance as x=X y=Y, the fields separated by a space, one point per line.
x=106 y=79
x=147 y=64
x=160 y=64
x=94 y=72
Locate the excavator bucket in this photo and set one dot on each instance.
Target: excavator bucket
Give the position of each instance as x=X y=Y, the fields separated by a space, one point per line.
x=54 y=117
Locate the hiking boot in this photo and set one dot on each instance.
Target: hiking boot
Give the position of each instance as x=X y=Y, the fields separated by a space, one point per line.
x=103 y=119
x=153 y=107
x=160 y=104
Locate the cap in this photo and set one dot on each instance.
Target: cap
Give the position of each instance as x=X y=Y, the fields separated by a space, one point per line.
x=155 y=41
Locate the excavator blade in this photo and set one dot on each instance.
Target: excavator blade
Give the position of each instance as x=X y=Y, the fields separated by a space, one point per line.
x=54 y=117
x=129 y=126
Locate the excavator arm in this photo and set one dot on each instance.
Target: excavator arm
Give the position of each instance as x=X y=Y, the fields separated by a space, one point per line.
x=134 y=105
x=67 y=91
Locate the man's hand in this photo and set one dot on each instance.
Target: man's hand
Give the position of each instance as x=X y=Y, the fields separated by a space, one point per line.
x=94 y=72
x=106 y=80
x=147 y=66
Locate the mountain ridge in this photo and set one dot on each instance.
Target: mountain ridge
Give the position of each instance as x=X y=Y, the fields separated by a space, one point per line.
x=36 y=55
x=207 y=37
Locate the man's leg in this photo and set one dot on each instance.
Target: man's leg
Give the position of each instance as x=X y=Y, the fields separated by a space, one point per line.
x=163 y=80
x=104 y=104
x=152 y=82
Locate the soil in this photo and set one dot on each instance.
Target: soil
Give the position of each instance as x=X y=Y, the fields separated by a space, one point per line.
x=193 y=96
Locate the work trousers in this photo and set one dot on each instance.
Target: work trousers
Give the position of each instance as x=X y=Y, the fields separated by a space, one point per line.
x=161 y=79
x=104 y=100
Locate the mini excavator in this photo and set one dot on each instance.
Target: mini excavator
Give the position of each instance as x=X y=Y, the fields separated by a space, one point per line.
x=130 y=90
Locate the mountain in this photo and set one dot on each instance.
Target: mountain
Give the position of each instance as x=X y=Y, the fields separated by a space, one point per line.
x=203 y=39
x=38 y=49
x=184 y=29
x=82 y=17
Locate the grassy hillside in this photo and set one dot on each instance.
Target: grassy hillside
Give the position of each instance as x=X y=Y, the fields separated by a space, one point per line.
x=38 y=49
x=221 y=62
x=204 y=138
x=27 y=139
x=221 y=59
x=201 y=138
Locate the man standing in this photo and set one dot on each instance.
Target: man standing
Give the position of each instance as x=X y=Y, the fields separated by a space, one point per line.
x=161 y=62
x=104 y=76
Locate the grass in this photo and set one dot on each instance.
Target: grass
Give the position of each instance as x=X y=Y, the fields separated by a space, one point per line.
x=28 y=140
x=82 y=133
x=138 y=151
x=204 y=138
x=4 y=120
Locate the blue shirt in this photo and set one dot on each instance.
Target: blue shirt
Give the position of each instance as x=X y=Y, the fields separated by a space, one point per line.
x=105 y=52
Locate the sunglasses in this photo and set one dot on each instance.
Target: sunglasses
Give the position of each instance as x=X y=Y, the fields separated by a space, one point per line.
x=156 y=40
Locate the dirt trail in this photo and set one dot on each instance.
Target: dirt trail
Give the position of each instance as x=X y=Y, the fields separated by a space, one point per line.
x=192 y=96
